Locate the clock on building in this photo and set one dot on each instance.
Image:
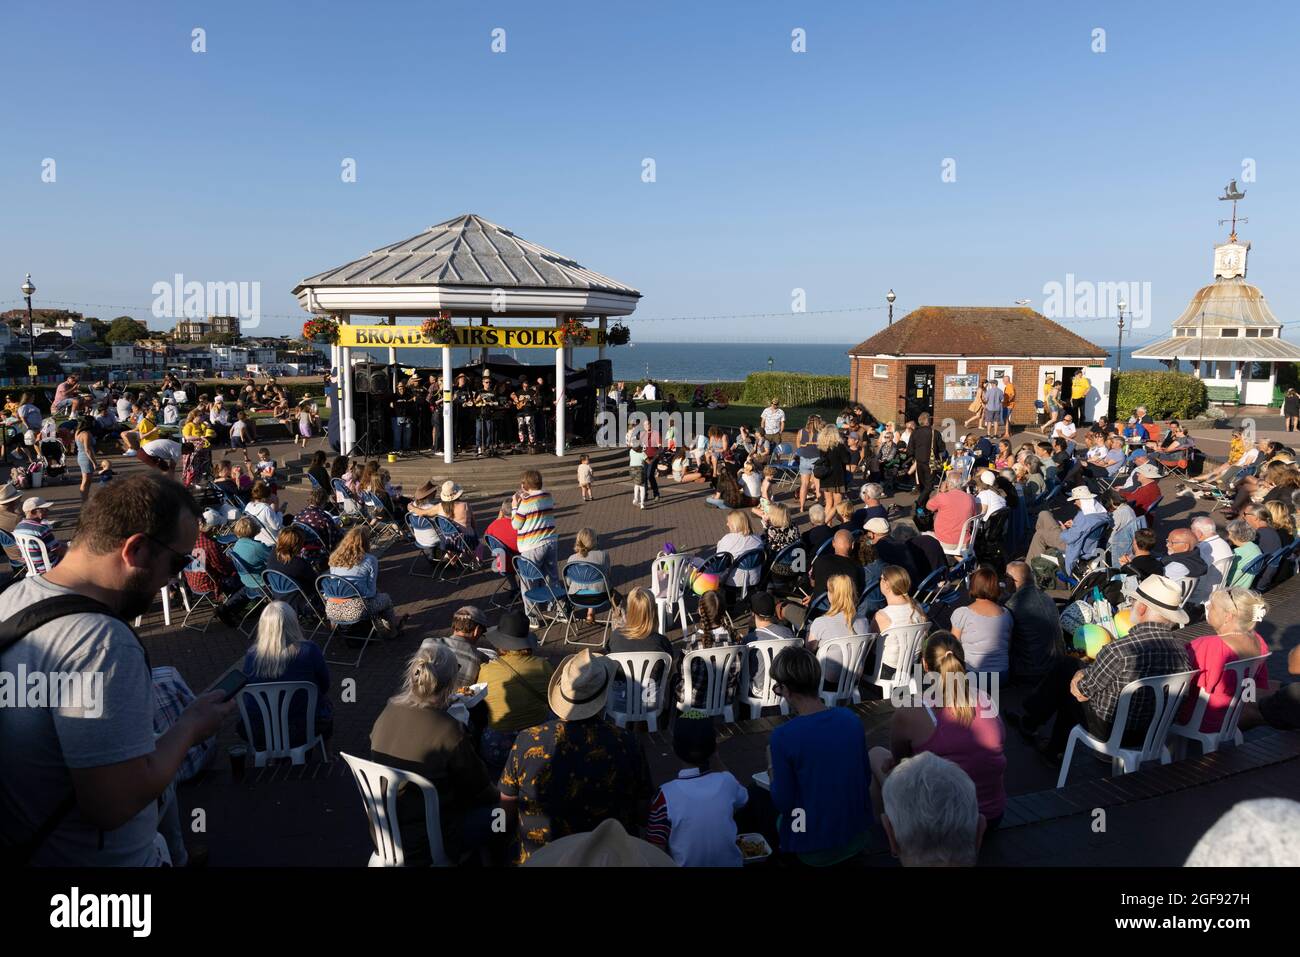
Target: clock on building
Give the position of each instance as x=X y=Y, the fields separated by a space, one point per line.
x=1230 y=260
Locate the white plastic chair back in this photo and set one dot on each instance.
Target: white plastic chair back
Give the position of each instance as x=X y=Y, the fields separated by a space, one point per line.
x=1169 y=691
x=1227 y=734
x=1224 y=567
x=645 y=695
x=763 y=697
x=25 y=543
x=668 y=575
x=719 y=662
x=910 y=639
x=850 y=654
x=378 y=784
x=273 y=700
x=966 y=539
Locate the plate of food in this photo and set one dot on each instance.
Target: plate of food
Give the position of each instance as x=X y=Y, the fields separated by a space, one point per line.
x=753 y=848
x=470 y=695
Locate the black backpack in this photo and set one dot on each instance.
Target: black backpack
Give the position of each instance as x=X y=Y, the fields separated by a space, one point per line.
x=12 y=631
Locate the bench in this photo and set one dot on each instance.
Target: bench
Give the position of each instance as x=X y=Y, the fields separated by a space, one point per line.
x=1223 y=393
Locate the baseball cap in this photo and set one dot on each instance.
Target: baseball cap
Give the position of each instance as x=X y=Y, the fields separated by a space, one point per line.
x=35 y=502
x=762 y=603
x=878 y=525
x=474 y=614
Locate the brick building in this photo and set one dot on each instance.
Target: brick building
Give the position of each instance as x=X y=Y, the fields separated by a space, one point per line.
x=933 y=358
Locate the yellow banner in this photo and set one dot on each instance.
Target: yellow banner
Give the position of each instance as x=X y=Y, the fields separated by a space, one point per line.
x=471 y=337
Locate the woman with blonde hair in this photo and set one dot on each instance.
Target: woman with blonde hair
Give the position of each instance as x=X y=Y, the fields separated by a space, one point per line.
x=778 y=533
x=840 y=621
x=415 y=733
x=585 y=552
x=1234 y=614
x=832 y=466
x=740 y=538
x=352 y=560
x=900 y=609
x=964 y=729
x=639 y=633
x=1282 y=520
x=280 y=653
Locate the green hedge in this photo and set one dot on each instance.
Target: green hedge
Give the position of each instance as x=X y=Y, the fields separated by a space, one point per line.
x=795 y=389
x=1167 y=395
x=684 y=390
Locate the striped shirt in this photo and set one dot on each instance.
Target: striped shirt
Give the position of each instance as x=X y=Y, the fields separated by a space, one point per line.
x=42 y=531
x=534 y=520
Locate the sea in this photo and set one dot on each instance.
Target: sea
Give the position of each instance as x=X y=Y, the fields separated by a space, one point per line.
x=696 y=361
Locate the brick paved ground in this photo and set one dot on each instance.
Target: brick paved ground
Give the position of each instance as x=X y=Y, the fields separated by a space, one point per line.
x=315 y=816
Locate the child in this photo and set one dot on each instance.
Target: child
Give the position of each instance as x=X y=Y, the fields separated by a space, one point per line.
x=239 y=432
x=692 y=817
x=265 y=467
x=584 y=477
x=636 y=466
x=105 y=473
x=305 y=428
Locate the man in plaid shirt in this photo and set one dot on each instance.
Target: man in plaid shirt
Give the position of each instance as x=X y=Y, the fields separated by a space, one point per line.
x=1078 y=692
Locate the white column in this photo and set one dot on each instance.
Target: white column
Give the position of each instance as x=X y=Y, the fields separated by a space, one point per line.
x=559 y=394
x=448 y=440
x=334 y=364
x=602 y=392
x=392 y=359
x=347 y=425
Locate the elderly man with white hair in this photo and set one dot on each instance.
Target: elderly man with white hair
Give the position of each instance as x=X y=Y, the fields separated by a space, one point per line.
x=932 y=815
x=872 y=493
x=1088 y=693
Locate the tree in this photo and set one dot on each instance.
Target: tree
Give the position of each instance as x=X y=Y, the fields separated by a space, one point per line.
x=99 y=328
x=125 y=329
x=220 y=339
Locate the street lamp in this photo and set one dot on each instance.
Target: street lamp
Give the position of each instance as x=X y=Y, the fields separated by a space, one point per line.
x=889 y=298
x=770 y=362
x=29 y=290
x=1119 y=345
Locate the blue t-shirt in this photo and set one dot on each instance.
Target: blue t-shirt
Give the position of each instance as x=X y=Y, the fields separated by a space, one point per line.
x=820 y=781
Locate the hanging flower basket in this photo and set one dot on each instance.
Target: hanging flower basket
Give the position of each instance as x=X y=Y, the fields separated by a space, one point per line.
x=574 y=333
x=321 y=329
x=618 y=334
x=440 y=329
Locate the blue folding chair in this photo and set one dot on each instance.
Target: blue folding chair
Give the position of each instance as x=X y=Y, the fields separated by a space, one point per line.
x=501 y=555
x=383 y=524
x=350 y=510
x=280 y=587
x=363 y=628
x=752 y=560
x=253 y=589
x=428 y=545
x=588 y=590
x=540 y=594
x=315 y=550
x=459 y=553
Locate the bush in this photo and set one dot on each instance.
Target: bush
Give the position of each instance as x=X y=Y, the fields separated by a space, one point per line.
x=684 y=390
x=795 y=389
x=1166 y=395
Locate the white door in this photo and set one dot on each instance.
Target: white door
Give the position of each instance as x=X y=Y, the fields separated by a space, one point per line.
x=1097 y=401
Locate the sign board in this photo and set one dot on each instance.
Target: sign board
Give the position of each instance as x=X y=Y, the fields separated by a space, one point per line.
x=501 y=337
x=960 y=388
x=31 y=370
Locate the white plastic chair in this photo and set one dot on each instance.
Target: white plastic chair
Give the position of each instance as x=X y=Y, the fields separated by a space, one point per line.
x=1227 y=734
x=768 y=649
x=910 y=638
x=719 y=661
x=1169 y=691
x=965 y=540
x=668 y=586
x=1224 y=567
x=378 y=784
x=852 y=659
x=638 y=668
x=273 y=699
x=25 y=542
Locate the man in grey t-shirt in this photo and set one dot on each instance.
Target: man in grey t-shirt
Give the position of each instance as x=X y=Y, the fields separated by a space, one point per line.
x=98 y=744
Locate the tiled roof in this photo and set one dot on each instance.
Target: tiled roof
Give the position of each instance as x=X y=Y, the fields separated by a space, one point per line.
x=1000 y=331
x=467 y=251
x=1212 y=347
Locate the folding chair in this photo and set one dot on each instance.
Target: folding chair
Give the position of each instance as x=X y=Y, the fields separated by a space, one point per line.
x=338 y=589
x=539 y=594
x=585 y=575
x=794 y=558
x=350 y=510
x=253 y=587
x=202 y=588
x=752 y=560
x=314 y=550
x=386 y=527
x=428 y=545
x=501 y=557
x=459 y=554
x=786 y=464
x=280 y=587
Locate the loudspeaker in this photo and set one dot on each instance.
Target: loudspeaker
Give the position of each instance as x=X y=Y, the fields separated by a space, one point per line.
x=600 y=374
x=372 y=380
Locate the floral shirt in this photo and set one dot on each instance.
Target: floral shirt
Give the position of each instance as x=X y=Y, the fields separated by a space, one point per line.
x=568 y=776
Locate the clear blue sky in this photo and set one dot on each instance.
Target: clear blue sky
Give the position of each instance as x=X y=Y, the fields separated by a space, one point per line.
x=775 y=170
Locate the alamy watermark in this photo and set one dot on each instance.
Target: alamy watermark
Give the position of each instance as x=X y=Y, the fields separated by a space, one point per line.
x=64 y=690
x=937 y=690
x=614 y=425
x=179 y=299
x=1084 y=299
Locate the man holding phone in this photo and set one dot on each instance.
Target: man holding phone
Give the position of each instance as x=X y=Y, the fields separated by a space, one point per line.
x=80 y=781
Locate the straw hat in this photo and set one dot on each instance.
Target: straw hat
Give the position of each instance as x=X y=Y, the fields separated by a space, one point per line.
x=579 y=687
x=1164 y=594
x=9 y=494
x=1147 y=471
x=450 y=491
x=607 y=846
x=1081 y=493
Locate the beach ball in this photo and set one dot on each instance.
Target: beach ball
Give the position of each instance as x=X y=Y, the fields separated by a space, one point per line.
x=1123 y=622
x=702 y=582
x=1090 y=638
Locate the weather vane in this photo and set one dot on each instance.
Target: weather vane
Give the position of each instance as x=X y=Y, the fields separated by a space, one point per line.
x=1230 y=192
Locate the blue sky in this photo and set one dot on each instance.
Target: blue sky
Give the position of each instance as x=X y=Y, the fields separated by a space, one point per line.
x=775 y=170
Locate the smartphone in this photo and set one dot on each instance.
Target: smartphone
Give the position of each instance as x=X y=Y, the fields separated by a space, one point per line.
x=230 y=684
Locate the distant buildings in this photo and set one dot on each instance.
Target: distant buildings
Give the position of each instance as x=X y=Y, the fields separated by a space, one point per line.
x=198 y=330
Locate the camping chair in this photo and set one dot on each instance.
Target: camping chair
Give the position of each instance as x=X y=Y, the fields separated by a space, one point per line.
x=274 y=700
x=765 y=650
x=584 y=576
x=1169 y=691
x=1228 y=734
x=910 y=638
x=379 y=785
x=850 y=656
x=428 y=545
x=719 y=662
x=646 y=694
x=281 y=587
x=501 y=565
x=540 y=594
x=363 y=627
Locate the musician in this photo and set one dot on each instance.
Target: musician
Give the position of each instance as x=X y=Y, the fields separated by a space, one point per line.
x=400 y=412
x=462 y=397
x=543 y=410
x=485 y=401
x=522 y=400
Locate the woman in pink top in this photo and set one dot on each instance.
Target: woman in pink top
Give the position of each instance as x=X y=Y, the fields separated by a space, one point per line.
x=1233 y=613
x=955 y=721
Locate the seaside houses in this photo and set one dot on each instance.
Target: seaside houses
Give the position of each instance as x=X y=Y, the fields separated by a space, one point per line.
x=934 y=359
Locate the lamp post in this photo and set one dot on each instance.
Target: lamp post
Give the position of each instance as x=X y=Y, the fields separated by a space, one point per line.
x=1119 y=345
x=770 y=362
x=889 y=298
x=29 y=289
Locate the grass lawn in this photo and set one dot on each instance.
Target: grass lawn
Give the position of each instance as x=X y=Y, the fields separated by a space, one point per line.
x=735 y=415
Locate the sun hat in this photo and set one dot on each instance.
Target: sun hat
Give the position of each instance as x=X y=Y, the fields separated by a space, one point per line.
x=34 y=503
x=1081 y=493
x=1163 y=593
x=9 y=494
x=878 y=525
x=425 y=490
x=450 y=491
x=580 y=685
x=511 y=633
x=1147 y=471
x=607 y=846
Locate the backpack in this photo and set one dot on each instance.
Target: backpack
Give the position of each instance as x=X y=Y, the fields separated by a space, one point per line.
x=13 y=630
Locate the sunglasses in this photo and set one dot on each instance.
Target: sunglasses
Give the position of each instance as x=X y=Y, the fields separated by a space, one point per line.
x=179 y=561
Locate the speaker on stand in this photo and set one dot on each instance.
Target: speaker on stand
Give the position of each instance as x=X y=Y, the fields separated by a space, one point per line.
x=373 y=384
